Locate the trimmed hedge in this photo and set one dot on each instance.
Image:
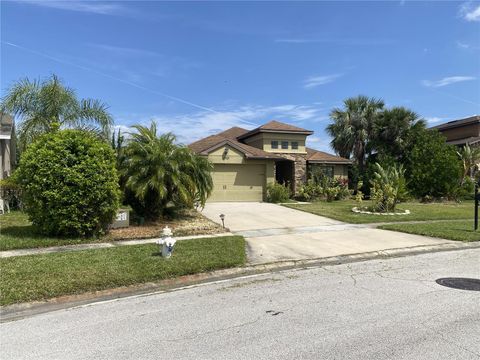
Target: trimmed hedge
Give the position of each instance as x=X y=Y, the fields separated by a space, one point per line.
x=70 y=183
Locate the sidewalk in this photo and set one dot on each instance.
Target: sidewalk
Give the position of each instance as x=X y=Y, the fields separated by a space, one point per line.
x=68 y=248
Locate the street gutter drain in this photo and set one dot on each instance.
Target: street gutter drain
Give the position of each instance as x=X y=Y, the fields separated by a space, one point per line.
x=460 y=283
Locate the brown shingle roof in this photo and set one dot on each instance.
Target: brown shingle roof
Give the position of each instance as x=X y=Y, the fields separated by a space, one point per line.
x=323 y=157
x=457 y=123
x=212 y=142
x=233 y=133
x=276 y=126
x=206 y=143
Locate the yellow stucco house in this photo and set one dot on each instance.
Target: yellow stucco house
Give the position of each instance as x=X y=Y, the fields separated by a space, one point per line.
x=246 y=161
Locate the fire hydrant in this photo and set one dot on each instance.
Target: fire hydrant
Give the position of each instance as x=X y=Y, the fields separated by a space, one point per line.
x=166 y=242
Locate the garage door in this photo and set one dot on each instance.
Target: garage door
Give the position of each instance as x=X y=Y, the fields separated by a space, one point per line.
x=238 y=182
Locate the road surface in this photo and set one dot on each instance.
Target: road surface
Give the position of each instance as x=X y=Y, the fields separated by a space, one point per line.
x=381 y=309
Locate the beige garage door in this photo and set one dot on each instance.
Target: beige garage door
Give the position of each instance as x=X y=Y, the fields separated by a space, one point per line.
x=238 y=182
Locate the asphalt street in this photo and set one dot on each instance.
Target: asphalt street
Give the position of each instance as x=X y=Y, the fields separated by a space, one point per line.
x=378 y=309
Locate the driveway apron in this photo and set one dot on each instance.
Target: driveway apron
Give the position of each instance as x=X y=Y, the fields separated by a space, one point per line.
x=276 y=233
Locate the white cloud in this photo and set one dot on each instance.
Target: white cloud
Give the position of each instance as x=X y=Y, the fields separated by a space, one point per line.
x=462 y=45
x=320 y=143
x=434 y=120
x=314 y=81
x=467 y=46
x=191 y=127
x=102 y=8
x=470 y=11
x=447 y=81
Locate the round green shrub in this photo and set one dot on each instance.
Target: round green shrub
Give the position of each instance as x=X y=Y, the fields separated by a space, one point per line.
x=70 y=183
x=433 y=169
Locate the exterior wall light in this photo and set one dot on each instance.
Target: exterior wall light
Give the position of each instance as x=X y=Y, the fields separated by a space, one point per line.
x=225 y=153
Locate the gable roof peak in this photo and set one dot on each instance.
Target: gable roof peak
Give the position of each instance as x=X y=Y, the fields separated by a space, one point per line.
x=275 y=126
x=278 y=125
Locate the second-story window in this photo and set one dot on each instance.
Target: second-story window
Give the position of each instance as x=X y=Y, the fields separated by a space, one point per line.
x=294 y=145
x=284 y=144
x=274 y=144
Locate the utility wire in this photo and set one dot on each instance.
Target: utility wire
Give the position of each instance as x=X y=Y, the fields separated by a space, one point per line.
x=61 y=61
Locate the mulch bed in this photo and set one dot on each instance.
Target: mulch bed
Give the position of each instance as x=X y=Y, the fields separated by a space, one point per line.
x=187 y=222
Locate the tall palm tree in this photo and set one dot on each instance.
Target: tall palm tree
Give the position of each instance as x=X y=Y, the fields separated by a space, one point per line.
x=46 y=106
x=470 y=158
x=392 y=128
x=159 y=172
x=352 y=127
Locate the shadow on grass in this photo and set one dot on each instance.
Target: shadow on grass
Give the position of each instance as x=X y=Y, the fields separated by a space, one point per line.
x=27 y=231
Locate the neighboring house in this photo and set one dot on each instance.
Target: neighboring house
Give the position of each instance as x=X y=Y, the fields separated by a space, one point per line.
x=7 y=145
x=462 y=131
x=246 y=161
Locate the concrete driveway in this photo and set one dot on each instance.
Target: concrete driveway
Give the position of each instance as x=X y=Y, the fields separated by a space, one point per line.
x=275 y=233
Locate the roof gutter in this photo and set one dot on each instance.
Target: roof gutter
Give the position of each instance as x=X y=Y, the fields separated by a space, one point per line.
x=330 y=162
x=257 y=131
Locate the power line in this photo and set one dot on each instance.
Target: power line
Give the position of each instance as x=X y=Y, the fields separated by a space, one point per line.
x=85 y=68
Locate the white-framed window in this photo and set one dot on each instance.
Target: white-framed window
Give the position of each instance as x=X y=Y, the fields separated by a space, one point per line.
x=274 y=144
x=294 y=145
x=284 y=145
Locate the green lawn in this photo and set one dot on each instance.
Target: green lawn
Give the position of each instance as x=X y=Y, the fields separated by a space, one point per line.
x=454 y=230
x=342 y=210
x=16 y=232
x=39 y=277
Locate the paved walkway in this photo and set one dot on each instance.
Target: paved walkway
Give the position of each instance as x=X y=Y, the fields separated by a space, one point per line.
x=68 y=248
x=277 y=233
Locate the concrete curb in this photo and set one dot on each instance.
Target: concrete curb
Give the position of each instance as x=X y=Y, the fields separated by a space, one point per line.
x=24 y=310
x=112 y=244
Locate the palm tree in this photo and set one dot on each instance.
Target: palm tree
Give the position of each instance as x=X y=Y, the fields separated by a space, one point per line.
x=46 y=106
x=352 y=127
x=159 y=172
x=470 y=158
x=392 y=129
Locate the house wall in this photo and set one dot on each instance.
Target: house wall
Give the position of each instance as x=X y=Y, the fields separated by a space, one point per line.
x=5 y=158
x=264 y=141
x=462 y=132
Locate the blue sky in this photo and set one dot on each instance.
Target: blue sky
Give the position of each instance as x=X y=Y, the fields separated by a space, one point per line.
x=201 y=67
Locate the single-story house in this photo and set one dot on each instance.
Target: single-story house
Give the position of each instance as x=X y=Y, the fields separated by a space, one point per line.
x=245 y=161
x=7 y=145
x=462 y=131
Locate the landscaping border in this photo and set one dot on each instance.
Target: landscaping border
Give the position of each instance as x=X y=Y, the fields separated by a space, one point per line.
x=360 y=211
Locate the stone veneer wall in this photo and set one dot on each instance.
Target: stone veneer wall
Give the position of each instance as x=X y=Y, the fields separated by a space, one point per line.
x=299 y=168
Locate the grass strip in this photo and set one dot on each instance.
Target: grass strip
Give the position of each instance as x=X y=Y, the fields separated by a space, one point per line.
x=342 y=210
x=39 y=277
x=453 y=230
